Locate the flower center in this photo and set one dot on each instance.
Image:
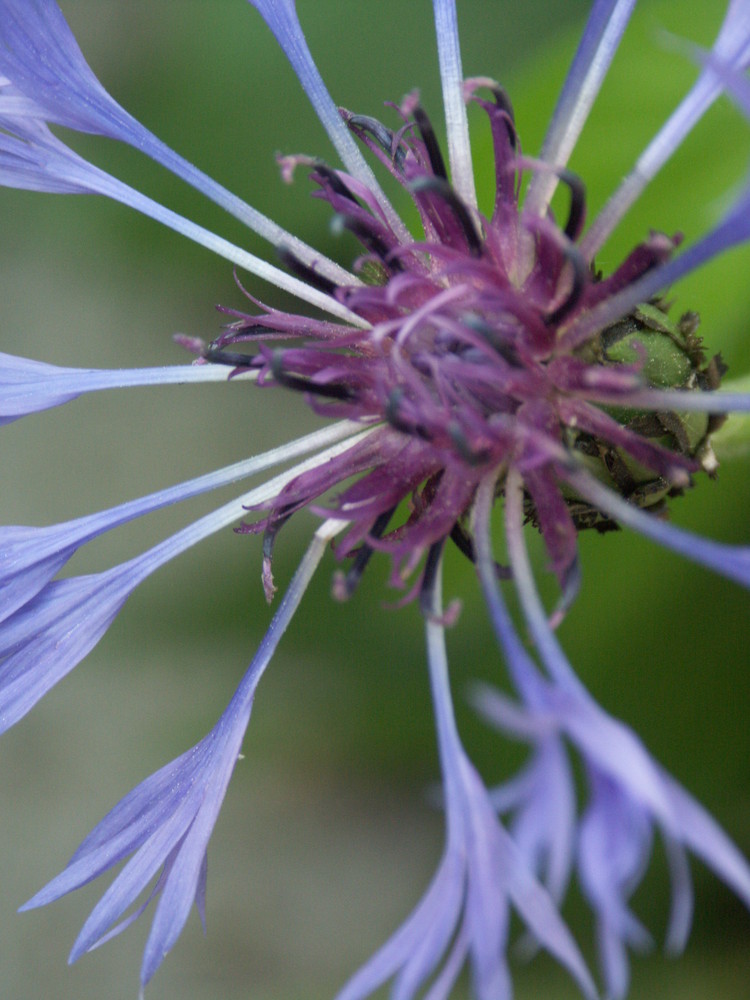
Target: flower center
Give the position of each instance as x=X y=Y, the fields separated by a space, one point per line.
x=462 y=363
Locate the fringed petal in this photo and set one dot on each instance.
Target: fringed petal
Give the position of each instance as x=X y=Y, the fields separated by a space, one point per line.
x=28 y=386
x=47 y=76
x=168 y=819
x=31 y=556
x=32 y=158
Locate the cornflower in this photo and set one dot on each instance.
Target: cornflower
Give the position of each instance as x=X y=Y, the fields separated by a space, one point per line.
x=486 y=361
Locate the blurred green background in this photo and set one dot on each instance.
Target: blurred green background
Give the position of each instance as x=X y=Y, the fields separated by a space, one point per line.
x=327 y=837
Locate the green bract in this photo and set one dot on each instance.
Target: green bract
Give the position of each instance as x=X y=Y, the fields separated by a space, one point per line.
x=669 y=355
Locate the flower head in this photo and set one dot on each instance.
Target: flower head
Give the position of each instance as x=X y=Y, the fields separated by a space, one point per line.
x=459 y=362
x=485 y=360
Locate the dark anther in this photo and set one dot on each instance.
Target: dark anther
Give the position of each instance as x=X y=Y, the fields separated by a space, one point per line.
x=332 y=391
x=306 y=273
x=391 y=413
x=383 y=136
x=269 y=540
x=364 y=553
x=465 y=545
x=502 y=100
x=429 y=578
x=580 y=273
x=503 y=347
x=430 y=140
x=232 y=358
x=441 y=187
x=394 y=418
x=269 y=535
x=463 y=542
x=335 y=182
x=247 y=330
x=577 y=212
x=368 y=238
x=464 y=449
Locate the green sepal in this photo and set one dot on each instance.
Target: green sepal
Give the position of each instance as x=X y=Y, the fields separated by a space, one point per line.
x=668 y=355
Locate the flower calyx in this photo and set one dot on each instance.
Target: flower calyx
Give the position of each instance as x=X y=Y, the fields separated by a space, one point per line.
x=667 y=355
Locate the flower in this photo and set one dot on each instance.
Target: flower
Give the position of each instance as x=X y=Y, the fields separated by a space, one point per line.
x=485 y=361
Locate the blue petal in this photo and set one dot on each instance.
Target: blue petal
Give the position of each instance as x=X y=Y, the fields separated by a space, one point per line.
x=27 y=564
x=281 y=18
x=604 y=29
x=456 y=121
x=46 y=639
x=443 y=896
x=731 y=561
x=537 y=909
x=40 y=55
x=41 y=59
x=32 y=158
x=133 y=880
x=168 y=819
x=28 y=386
x=544 y=824
x=732 y=48
x=705 y=838
x=31 y=556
